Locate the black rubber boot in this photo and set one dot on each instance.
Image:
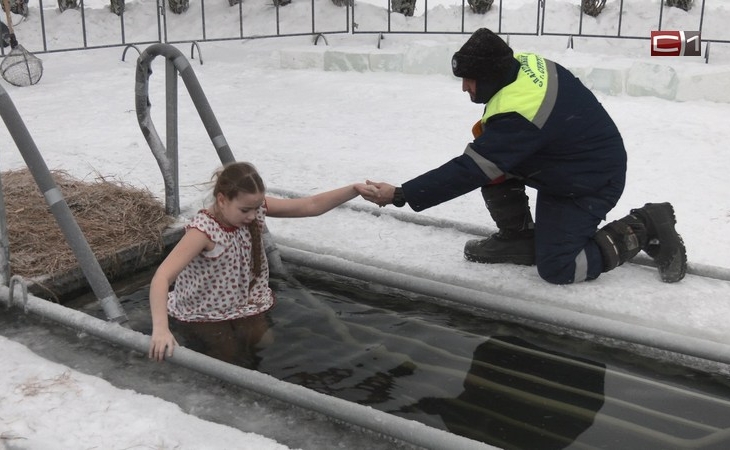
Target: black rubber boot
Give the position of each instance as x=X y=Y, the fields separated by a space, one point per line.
x=514 y=243
x=650 y=228
x=503 y=247
x=663 y=244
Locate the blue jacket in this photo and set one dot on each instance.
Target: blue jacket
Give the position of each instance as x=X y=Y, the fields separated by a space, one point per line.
x=545 y=128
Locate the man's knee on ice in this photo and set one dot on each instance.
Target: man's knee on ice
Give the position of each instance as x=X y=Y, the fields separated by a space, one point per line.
x=557 y=271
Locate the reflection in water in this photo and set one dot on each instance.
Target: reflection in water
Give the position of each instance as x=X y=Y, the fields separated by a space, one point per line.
x=374 y=389
x=517 y=395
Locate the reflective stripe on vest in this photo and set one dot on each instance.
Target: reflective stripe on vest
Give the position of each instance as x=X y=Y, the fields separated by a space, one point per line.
x=532 y=94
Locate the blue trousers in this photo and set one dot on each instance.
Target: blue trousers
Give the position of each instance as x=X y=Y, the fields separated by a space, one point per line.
x=565 y=251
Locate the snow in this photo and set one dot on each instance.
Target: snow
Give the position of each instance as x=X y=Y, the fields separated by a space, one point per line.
x=44 y=403
x=391 y=115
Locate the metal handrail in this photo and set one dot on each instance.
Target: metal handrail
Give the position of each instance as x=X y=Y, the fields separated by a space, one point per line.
x=61 y=211
x=167 y=155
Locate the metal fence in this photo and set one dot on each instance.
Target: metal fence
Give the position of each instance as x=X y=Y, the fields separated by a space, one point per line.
x=93 y=25
x=622 y=18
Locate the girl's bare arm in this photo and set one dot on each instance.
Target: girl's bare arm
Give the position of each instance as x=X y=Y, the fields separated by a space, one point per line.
x=192 y=243
x=313 y=205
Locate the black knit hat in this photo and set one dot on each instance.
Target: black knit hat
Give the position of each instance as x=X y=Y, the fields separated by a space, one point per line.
x=485 y=56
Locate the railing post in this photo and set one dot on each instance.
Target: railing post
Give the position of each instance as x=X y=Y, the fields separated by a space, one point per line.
x=171 y=121
x=4 y=243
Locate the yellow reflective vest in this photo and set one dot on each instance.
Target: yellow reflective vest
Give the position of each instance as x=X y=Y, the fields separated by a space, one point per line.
x=532 y=94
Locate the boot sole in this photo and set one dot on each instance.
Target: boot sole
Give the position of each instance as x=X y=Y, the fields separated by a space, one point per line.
x=676 y=268
x=672 y=267
x=502 y=259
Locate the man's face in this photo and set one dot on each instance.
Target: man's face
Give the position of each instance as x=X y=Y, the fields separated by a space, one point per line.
x=470 y=86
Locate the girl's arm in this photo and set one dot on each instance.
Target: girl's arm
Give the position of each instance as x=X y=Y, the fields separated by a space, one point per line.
x=191 y=244
x=313 y=205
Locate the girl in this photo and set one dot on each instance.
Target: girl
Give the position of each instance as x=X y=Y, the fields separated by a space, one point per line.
x=220 y=269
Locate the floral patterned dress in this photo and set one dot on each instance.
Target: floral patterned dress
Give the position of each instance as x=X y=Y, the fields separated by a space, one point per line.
x=219 y=284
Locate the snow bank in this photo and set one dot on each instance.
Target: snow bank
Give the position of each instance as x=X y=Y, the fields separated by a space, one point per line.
x=666 y=78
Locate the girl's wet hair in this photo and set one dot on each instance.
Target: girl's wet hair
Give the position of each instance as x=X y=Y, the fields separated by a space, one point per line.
x=243 y=178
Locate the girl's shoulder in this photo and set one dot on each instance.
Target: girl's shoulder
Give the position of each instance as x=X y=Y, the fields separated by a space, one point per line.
x=204 y=221
x=203 y=216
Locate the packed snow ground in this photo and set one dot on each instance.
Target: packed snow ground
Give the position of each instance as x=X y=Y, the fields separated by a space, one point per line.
x=311 y=130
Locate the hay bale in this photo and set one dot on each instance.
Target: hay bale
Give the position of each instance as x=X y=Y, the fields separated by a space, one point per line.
x=112 y=215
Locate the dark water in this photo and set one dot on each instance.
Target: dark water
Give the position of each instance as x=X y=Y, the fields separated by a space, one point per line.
x=500 y=383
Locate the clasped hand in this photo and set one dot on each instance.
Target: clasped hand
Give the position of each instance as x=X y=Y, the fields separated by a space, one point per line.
x=379 y=193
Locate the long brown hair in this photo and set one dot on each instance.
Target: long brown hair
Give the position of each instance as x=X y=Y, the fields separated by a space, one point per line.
x=237 y=178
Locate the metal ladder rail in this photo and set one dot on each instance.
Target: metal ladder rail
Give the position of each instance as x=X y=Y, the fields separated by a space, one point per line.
x=61 y=211
x=167 y=155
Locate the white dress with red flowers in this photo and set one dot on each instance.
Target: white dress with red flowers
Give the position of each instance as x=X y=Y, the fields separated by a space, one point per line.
x=217 y=285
